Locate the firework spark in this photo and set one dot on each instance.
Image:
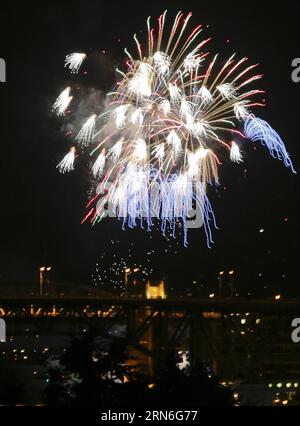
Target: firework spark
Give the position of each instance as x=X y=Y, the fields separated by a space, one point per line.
x=171 y=116
x=110 y=271
x=67 y=163
x=74 y=61
x=235 y=153
x=99 y=165
x=62 y=102
x=259 y=130
x=87 y=131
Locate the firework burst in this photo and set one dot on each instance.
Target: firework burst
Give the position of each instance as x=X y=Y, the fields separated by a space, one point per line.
x=62 y=102
x=110 y=272
x=175 y=112
x=74 y=61
x=67 y=163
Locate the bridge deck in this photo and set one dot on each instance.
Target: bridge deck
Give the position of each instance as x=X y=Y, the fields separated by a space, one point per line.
x=170 y=304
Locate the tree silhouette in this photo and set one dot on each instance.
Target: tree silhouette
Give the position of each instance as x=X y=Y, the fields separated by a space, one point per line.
x=92 y=371
x=97 y=372
x=190 y=387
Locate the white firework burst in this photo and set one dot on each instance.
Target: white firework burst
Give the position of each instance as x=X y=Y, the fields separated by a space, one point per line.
x=67 y=163
x=74 y=61
x=62 y=102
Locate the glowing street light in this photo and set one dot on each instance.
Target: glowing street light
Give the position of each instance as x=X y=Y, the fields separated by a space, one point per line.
x=278 y=297
x=128 y=271
x=220 y=281
x=231 y=273
x=43 y=269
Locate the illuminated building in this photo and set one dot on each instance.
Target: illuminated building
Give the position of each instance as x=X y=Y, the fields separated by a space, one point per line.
x=155 y=290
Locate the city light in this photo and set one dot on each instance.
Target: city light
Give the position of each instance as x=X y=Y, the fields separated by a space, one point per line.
x=278 y=297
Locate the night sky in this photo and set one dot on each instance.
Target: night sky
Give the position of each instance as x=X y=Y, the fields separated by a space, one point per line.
x=42 y=209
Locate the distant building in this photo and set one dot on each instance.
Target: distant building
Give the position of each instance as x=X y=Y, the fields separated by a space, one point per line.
x=156 y=290
x=136 y=288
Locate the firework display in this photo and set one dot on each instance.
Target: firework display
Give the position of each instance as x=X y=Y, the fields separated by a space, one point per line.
x=111 y=269
x=174 y=115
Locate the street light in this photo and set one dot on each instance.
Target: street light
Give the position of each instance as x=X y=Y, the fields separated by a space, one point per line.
x=128 y=271
x=220 y=281
x=231 y=273
x=43 y=269
x=278 y=297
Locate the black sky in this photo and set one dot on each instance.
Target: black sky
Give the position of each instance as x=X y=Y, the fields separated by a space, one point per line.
x=42 y=210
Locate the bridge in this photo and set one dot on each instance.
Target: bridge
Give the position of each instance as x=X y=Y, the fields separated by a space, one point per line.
x=34 y=306
x=229 y=334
